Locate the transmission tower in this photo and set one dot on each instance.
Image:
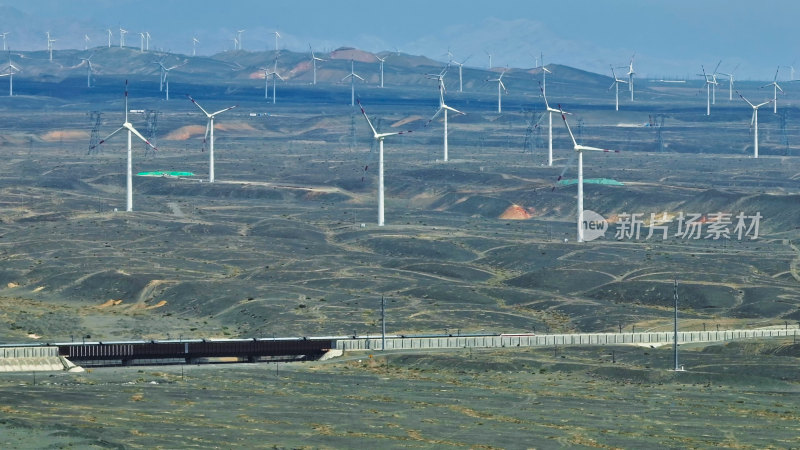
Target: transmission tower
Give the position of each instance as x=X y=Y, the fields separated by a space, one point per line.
x=94 y=138
x=352 y=130
x=151 y=120
x=657 y=122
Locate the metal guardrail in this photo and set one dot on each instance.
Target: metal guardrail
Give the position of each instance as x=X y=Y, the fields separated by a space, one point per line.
x=543 y=340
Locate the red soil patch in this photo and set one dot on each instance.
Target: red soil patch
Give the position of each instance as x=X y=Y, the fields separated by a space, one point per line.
x=515 y=212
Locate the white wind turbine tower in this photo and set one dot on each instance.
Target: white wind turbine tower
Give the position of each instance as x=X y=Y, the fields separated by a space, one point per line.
x=277 y=35
x=109 y=37
x=210 y=129
x=122 y=34
x=631 y=72
x=460 y=70
x=443 y=108
x=550 y=112
x=165 y=79
x=776 y=88
x=131 y=131
x=379 y=137
x=194 y=46
x=616 y=83
x=381 y=61
x=500 y=87
x=239 y=39
x=147 y=41
x=4 y=39
x=141 y=42
x=274 y=74
x=352 y=77
x=754 y=122
x=710 y=81
x=50 y=45
x=86 y=41
x=314 y=59
x=11 y=70
x=490 y=59
x=580 y=149
x=730 y=82
x=266 y=82
x=88 y=62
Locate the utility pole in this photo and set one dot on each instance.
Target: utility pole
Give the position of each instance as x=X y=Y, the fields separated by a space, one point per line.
x=675 y=337
x=383 y=323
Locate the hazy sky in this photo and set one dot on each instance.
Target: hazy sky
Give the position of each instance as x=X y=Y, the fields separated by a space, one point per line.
x=671 y=38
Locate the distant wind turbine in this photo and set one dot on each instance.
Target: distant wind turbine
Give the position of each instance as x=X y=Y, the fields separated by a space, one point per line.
x=239 y=39
x=776 y=88
x=277 y=35
x=443 y=108
x=631 y=72
x=210 y=129
x=131 y=131
x=500 y=88
x=9 y=72
x=379 y=137
x=490 y=59
x=381 y=61
x=615 y=84
x=275 y=74
x=709 y=81
x=86 y=41
x=194 y=46
x=122 y=37
x=550 y=112
x=109 y=37
x=754 y=122
x=352 y=75
x=89 y=68
x=314 y=59
x=4 y=39
x=460 y=70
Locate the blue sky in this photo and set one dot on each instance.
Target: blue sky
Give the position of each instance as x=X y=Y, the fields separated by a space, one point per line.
x=671 y=38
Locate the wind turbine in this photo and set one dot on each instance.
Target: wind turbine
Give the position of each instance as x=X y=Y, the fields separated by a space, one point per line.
x=12 y=69
x=580 y=149
x=4 y=39
x=50 y=45
x=381 y=60
x=460 y=70
x=730 y=82
x=550 y=112
x=379 y=137
x=776 y=88
x=239 y=38
x=710 y=81
x=147 y=41
x=715 y=83
x=277 y=35
x=131 y=131
x=616 y=83
x=210 y=128
x=194 y=46
x=274 y=74
x=545 y=71
x=266 y=82
x=109 y=37
x=631 y=72
x=490 y=59
x=314 y=59
x=442 y=106
x=352 y=77
x=500 y=86
x=754 y=122
x=86 y=41
x=122 y=37
x=141 y=42
x=165 y=79
x=88 y=62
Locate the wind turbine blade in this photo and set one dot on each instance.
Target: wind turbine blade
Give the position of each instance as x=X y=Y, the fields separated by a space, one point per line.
x=569 y=163
x=223 y=110
x=775 y=78
x=438 y=111
x=106 y=138
x=595 y=149
x=762 y=104
x=563 y=116
x=364 y=113
x=748 y=101
x=205 y=137
x=198 y=105
x=358 y=77
x=133 y=130
x=454 y=110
